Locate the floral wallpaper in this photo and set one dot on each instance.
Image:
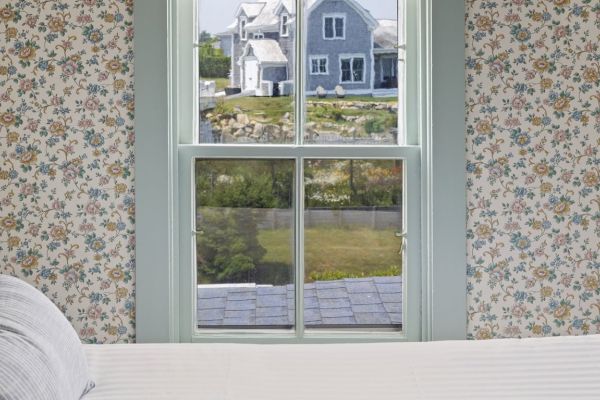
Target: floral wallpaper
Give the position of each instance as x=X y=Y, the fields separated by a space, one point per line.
x=66 y=158
x=533 y=134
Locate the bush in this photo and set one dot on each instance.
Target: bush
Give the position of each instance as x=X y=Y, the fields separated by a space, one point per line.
x=374 y=126
x=228 y=249
x=213 y=64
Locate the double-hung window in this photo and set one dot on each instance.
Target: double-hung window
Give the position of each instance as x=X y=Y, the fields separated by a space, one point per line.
x=334 y=26
x=299 y=204
x=352 y=68
x=318 y=65
x=284 y=25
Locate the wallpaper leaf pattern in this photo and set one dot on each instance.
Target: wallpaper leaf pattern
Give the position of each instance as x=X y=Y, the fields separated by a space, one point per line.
x=533 y=118
x=66 y=148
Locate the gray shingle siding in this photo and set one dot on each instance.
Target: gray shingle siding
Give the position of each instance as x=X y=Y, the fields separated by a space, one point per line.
x=358 y=39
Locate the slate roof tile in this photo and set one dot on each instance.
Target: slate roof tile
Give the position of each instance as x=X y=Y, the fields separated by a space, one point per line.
x=370 y=301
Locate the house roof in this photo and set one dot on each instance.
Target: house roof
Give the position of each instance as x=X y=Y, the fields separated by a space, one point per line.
x=267 y=19
x=386 y=34
x=251 y=9
x=266 y=51
x=365 y=301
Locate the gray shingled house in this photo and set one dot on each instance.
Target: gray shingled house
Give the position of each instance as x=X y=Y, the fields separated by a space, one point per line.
x=346 y=46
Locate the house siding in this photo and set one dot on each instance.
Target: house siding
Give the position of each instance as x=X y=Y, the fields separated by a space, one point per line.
x=358 y=39
x=274 y=74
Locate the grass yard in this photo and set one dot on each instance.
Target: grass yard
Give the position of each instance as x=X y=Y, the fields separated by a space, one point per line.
x=333 y=253
x=263 y=109
x=220 y=83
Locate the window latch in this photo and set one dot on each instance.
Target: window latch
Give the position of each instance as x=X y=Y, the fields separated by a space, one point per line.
x=402 y=236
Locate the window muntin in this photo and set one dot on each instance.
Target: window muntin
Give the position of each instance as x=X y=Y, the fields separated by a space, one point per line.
x=319 y=65
x=334 y=26
x=326 y=120
x=352 y=69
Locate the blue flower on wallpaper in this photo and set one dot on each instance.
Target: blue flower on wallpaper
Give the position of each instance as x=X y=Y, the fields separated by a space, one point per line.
x=66 y=145
x=533 y=80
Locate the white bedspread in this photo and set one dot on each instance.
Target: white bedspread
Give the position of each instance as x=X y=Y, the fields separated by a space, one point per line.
x=553 y=368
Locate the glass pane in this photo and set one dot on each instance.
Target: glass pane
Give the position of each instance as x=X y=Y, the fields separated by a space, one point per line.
x=353 y=265
x=246 y=64
x=357 y=100
x=245 y=243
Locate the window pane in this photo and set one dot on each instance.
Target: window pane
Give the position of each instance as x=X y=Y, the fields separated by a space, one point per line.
x=357 y=101
x=246 y=87
x=339 y=27
x=328 y=27
x=245 y=243
x=353 y=265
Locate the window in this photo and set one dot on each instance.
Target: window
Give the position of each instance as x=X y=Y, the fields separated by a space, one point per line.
x=284 y=25
x=352 y=69
x=321 y=146
x=259 y=35
x=334 y=26
x=318 y=65
x=305 y=229
x=243 y=33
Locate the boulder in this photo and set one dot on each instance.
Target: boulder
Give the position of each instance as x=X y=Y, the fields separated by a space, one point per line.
x=321 y=92
x=243 y=119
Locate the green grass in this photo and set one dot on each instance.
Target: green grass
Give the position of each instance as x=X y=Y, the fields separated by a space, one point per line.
x=221 y=83
x=334 y=252
x=263 y=109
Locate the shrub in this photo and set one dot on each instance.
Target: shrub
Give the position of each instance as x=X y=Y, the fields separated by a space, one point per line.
x=334 y=275
x=228 y=249
x=374 y=126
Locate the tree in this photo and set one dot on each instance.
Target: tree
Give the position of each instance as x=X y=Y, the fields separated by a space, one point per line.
x=213 y=63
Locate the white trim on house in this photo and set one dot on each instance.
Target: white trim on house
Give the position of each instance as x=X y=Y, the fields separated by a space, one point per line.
x=372 y=60
x=334 y=17
x=319 y=57
x=353 y=56
x=283 y=25
x=242 y=31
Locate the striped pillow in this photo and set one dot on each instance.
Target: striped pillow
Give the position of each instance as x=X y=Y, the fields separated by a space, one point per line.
x=41 y=356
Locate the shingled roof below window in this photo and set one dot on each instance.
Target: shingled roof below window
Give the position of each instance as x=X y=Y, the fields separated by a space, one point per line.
x=348 y=302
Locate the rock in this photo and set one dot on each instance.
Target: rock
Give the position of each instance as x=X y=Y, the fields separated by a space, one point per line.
x=243 y=119
x=239 y=133
x=361 y=120
x=321 y=92
x=340 y=92
x=258 y=129
x=272 y=130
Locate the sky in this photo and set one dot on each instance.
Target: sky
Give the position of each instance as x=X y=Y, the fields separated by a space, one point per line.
x=215 y=15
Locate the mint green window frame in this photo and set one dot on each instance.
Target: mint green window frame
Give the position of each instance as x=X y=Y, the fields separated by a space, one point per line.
x=435 y=299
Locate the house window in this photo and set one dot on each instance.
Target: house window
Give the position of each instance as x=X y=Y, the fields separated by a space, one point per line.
x=334 y=26
x=352 y=69
x=243 y=33
x=297 y=198
x=318 y=65
x=259 y=35
x=284 y=30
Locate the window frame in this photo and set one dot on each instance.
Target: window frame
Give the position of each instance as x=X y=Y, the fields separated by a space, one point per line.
x=333 y=17
x=161 y=168
x=352 y=57
x=283 y=25
x=243 y=32
x=319 y=57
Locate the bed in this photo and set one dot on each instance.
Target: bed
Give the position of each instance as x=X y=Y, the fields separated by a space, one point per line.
x=550 y=368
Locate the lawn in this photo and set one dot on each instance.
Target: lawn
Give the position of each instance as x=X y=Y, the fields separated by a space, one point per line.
x=332 y=253
x=221 y=83
x=263 y=109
